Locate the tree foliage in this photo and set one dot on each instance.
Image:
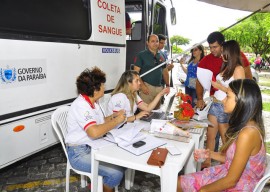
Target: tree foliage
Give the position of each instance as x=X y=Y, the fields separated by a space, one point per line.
x=252 y=34
x=178 y=40
x=176 y=49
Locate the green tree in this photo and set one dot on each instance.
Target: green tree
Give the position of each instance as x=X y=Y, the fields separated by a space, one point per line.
x=176 y=49
x=252 y=33
x=178 y=40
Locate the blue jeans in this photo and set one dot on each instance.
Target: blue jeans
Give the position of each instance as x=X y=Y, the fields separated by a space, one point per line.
x=217 y=110
x=192 y=93
x=80 y=159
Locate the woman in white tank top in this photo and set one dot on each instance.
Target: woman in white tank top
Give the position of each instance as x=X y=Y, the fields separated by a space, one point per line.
x=231 y=69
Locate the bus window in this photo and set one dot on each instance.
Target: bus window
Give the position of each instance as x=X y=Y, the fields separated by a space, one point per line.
x=135 y=13
x=159 y=19
x=49 y=18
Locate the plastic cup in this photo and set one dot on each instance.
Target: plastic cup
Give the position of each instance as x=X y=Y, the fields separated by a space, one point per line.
x=201 y=154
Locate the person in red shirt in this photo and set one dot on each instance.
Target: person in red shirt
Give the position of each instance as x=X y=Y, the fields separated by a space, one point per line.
x=213 y=62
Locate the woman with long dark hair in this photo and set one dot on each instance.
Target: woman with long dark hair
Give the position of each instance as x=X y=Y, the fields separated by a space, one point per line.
x=243 y=154
x=231 y=69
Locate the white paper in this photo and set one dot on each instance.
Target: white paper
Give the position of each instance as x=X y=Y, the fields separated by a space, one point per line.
x=150 y=144
x=127 y=135
x=205 y=77
x=99 y=143
x=156 y=124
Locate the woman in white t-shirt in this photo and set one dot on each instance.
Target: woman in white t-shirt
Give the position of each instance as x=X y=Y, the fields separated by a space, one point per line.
x=231 y=69
x=86 y=122
x=125 y=97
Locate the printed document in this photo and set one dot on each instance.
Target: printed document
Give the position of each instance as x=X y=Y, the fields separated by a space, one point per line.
x=127 y=135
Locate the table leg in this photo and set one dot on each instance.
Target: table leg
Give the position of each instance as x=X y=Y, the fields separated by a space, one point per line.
x=191 y=164
x=94 y=179
x=169 y=178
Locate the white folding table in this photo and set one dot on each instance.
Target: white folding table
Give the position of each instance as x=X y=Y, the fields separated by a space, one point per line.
x=168 y=173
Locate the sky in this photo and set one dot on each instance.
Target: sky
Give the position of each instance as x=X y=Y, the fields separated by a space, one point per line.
x=195 y=19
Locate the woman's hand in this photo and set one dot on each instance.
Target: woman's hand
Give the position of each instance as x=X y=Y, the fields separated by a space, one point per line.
x=165 y=91
x=197 y=156
x=120 y=116
x=142 y=114
x=182 y=61
x=121 y=112
x=216 y=84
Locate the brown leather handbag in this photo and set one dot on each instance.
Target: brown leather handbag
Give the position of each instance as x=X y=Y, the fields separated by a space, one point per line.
x=158 y=157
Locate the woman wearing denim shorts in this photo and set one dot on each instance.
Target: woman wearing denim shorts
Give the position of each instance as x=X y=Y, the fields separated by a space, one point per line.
x=86 y=122
x=231 y=69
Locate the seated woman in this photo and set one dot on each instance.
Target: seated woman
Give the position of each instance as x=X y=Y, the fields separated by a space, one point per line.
x=125 y=97
x=243 y=153
x=86 y=122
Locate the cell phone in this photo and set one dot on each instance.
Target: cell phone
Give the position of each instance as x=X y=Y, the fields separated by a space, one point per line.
x=138 y=144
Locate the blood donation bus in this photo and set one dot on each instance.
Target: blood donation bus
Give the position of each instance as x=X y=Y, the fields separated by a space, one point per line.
x=46 y=44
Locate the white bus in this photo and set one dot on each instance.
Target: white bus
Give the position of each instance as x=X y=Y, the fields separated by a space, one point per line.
x=46 y=44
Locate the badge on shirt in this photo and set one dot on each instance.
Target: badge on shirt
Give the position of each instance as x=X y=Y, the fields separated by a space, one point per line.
x=87 y=116
x=119 y=105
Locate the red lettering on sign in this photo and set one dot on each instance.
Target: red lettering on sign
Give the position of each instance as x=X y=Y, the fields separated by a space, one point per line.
x=110 y=30
x=110 y=18
x=108 y=6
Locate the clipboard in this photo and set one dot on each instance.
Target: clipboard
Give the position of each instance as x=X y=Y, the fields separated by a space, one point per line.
x=150 y=144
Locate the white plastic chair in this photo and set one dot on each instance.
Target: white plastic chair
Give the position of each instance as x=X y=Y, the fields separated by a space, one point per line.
x=260 y=185
x=60 y=127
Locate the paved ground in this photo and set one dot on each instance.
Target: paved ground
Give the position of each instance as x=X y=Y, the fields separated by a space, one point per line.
x=45 y=172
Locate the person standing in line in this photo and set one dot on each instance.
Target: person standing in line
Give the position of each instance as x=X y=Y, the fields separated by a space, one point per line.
x=125 y=97
x=243 y=156
x=213 y=62
x=231 y=69
x=151 y=84
x=257 y=62
x=85 y=123
x=197 y=53
x=162 y=42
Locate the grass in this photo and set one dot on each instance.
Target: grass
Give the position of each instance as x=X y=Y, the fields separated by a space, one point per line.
x=266 y=106
x=266 y=91
x=264 y=82
x=268 y=147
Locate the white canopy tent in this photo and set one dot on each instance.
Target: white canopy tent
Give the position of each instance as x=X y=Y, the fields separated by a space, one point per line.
x=245 y=5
